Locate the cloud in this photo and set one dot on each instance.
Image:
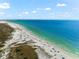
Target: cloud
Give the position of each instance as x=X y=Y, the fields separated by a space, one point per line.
x=23 y=13
x=2 y=13
x=26 y=13
x=34 y=11
x=61 y=5
x=65 y=14
x=4 y=5
x=47 y=9
x=76 y=9
x=38 y=8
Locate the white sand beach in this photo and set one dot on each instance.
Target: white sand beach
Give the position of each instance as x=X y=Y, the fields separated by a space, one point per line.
x=45 y=50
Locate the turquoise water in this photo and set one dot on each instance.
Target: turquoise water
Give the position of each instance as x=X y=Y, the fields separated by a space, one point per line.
x=63 y=33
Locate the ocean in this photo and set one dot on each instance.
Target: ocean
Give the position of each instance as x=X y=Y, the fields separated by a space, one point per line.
x=63 y=33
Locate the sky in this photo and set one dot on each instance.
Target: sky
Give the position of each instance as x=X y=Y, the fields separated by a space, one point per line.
x=39 y=9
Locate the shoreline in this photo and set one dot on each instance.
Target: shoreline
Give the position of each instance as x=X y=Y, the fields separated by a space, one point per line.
x=40 y=42
x=49 y=43
x=58 y=48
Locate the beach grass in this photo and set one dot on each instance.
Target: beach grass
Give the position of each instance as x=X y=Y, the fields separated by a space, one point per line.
x=5 y=32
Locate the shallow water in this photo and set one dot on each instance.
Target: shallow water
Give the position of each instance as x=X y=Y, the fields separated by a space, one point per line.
x=65 y=34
